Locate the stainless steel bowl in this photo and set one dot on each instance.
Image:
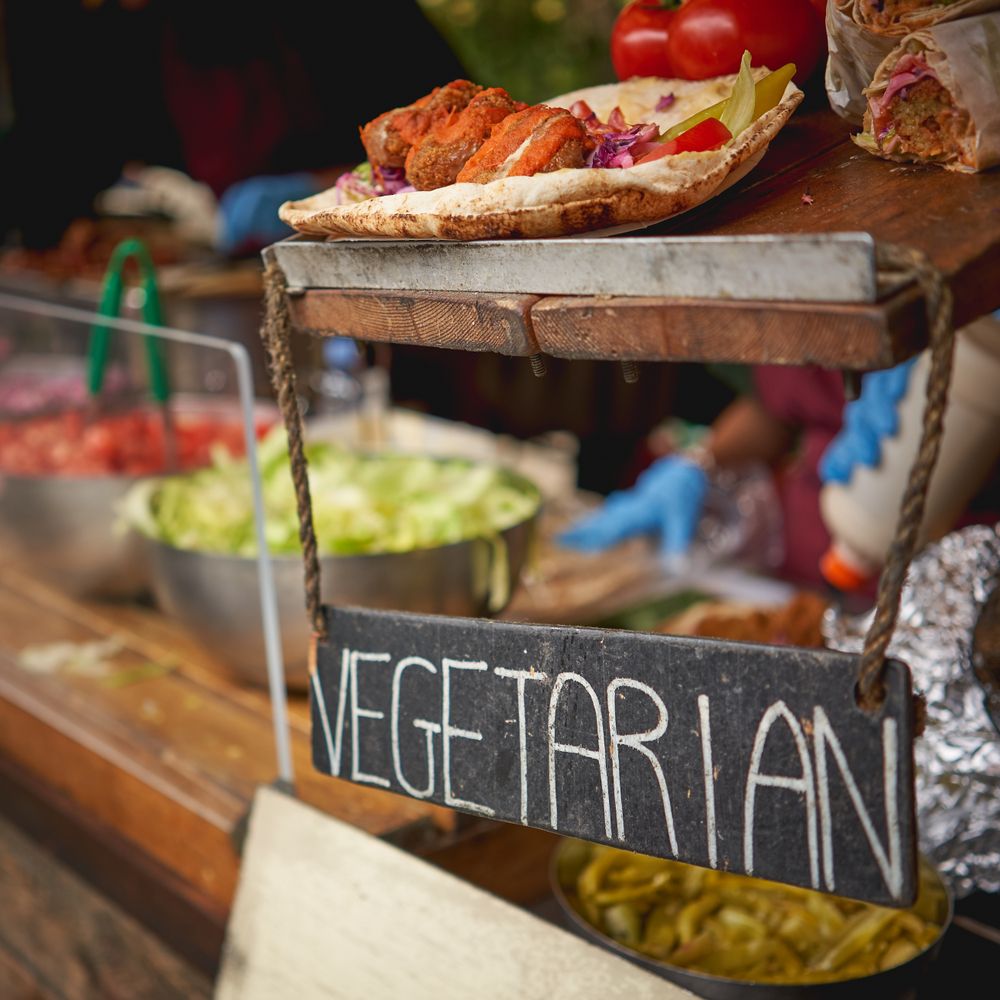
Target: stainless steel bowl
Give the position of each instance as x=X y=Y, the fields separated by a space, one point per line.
x=217 y=598
x=62 y=530
x=898 y=983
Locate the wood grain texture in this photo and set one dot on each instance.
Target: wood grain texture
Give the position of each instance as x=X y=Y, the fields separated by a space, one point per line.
x=188 y=922
x=169 y=762
x=782 y=333
x=458 y=320
x=508 y=860
x=58 y=938
x=953 y=218
x=324 y=911
x=18 y=982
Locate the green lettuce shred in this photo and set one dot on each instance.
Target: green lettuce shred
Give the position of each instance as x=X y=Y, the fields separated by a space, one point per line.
x=362 y=503
x=738 y=112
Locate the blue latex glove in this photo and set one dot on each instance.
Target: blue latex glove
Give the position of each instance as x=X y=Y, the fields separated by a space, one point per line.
x=666 y=500
x=868 y=420
x=249 y=209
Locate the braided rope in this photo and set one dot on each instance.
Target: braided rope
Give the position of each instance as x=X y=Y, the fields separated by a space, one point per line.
x=276 y=334
x=871 y=687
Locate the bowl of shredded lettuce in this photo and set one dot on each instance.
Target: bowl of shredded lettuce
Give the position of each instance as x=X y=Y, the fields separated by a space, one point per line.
x=395 y=531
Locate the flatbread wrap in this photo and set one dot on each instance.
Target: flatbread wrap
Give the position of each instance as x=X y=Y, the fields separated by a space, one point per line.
x=901 y=17
x=853 y=55
x=501 y=192
x=936 y=97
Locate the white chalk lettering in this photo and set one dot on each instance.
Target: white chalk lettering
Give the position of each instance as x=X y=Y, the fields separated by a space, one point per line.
x=554 y=747
x=429 y=728
x=357 y=714
x=889 y=865
x=708 y=771
x=448 y=732
x=635 y=741
x=803 y=785
x=522 y=677
x=333 y=745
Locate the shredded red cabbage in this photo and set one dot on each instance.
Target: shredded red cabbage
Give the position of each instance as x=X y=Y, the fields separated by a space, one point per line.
x=351 y=187
x=618 y=149
x=618 y=143
x=907 y=72
x=363 y=183
x=665 y=102
x=392 y=180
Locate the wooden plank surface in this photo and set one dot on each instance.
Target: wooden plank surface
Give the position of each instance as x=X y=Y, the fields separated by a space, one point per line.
x=459 y=320
x=185 y=920
x=60 y=939
x=171 y=761
x=143 y=785
x=776 y=333
x=325 y=912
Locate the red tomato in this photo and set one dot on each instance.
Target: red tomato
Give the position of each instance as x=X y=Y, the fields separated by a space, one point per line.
x=126 y=443
x=706 y=135
x=639 y=38
x=707 y=37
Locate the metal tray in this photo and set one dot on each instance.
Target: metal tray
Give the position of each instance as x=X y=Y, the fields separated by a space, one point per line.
x=828 y=267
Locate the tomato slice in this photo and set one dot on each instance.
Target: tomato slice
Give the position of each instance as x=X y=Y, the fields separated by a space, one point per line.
x=706 y=135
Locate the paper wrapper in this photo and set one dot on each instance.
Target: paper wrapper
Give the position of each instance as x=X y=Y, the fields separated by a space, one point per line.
x=965 y=55
x=958 y=755
x=854 y=55
x=865 y=14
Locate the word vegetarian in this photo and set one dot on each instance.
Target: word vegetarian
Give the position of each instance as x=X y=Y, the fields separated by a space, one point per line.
x=743 y=757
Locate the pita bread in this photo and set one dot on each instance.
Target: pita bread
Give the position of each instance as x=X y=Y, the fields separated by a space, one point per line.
x=565 y=201
x=963 y=56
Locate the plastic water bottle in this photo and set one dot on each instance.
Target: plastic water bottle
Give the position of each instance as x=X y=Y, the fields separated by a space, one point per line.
x=861 y=514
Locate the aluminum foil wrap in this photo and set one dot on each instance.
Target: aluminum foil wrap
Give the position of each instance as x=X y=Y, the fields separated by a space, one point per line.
x=958 y=755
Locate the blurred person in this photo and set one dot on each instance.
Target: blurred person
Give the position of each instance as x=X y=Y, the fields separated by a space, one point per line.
x=798 y=422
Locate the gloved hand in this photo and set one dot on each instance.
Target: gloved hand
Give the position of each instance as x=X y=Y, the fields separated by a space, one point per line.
x=249 y=209
x=868 y=420
x=667 y=500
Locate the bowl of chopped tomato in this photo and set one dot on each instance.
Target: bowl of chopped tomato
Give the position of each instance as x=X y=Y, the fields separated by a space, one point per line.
x=63 y=475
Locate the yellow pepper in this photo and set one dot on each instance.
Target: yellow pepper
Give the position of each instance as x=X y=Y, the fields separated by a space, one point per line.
x=767 y=94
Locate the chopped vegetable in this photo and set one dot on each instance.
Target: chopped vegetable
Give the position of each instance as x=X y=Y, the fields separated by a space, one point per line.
x=361 y=503
x=363 y=183
x=126 y=444
x=706 y=135
x=739 y=110
x=743 y=928
x=768 y=92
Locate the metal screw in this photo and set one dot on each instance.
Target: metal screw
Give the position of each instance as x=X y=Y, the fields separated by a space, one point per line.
x=630 y=371
x=537 y=365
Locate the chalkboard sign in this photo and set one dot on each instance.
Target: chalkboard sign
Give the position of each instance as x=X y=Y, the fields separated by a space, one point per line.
x=728 y=755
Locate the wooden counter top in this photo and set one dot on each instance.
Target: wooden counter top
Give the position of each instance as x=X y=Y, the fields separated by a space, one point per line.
x=139 y=775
